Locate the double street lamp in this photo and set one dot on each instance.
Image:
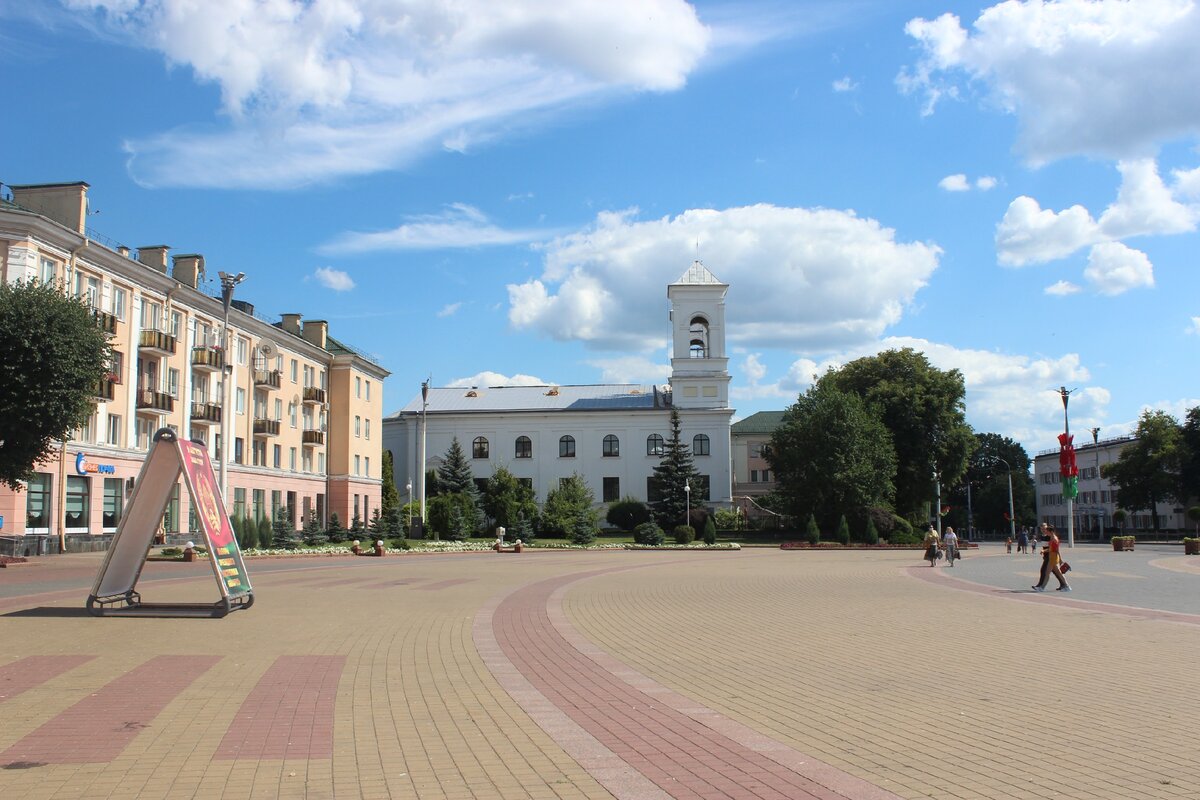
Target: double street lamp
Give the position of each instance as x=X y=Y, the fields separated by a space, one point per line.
x=687 y=494
x=1012 y=522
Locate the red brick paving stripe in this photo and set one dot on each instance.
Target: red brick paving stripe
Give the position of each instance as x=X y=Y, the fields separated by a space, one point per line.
x=636 y=737
x=26 y=673
x=1049 y=597
x=444 y=584
x=97 y=728
x=289 y=713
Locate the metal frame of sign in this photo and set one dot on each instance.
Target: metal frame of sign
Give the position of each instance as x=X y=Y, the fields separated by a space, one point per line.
x=115 y=591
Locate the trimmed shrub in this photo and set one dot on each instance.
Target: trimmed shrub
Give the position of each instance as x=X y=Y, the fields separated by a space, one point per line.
x=872 y=535
x=710 y=531
x=812 y=532
x=685 y=534
x=627 y=513
x=266 y=531
x=843 y=531
x=649 y=533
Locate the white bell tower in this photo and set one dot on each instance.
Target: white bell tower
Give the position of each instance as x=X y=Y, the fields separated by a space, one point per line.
x=699 y=366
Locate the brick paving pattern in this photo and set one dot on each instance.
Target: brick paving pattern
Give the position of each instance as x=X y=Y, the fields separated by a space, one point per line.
x=26 y=673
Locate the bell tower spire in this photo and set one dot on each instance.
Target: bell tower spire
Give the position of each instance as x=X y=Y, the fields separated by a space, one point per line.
x=699 y=365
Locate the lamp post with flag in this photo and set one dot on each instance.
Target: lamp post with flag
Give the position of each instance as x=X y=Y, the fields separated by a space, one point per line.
x=1067 y=468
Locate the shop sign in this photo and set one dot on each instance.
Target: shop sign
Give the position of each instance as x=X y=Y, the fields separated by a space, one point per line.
x=85 y=467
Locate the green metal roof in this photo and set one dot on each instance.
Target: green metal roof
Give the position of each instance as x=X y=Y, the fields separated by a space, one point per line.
x=762 y=422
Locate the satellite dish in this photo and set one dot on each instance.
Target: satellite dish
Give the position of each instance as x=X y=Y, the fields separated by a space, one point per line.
x=267 y=349
x=296 y=399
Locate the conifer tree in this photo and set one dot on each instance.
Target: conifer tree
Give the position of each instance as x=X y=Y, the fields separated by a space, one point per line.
x=313 y=535
x=284 y=530
x=672 y=474
x=376 y=526
x=454 y=475
x=391 y=495
x=335 y=531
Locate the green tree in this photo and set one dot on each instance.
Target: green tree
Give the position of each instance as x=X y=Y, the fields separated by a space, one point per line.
x=377 y=526
x=54 y=356
x=923 y=409
x=871 y=535
x=313 y=535
x=454 y=516
x=627 y=513
x=391 y=495
x=283 y=529
x=583 y=529
x=335 y=531
x=843 y=531
x=506 y=499
x=988 y=478
x=265 y=530
x=710 y=531
x=675 y=471
x=1147 y=471
x=812 y=531
x=357 y=529
x=454 y=474
x=566 y=504
x=1189 y=466
x=522 y=529
x=831 y=455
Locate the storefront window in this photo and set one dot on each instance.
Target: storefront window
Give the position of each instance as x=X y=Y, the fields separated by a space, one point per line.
x=78 y=506
x=37 y=504
x=171 y=517
x=114 y=501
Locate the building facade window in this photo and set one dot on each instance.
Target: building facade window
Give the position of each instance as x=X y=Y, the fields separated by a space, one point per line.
x=700 y=445
x=37 y=503
x=366 y=466
x=611 y=446
x=239 y=502
x=566 y=447
x=239 y=450
x=479 y=447
x=357 y=427
x=259 y=498
x=612 y=490
x=78 y=504
x=655 y=446
x=357 y=387
x=114 y=502
x=524 y=447
x=367 y=428
x=358 y=465
x=278 y=453
x=118 y=303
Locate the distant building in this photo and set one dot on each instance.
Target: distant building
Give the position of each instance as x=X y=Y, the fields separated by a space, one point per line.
x=611 y=435
x=305 y=409
x=1098 y=499
x=752 y=476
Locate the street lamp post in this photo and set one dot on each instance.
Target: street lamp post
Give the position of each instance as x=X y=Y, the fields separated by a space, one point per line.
x=421 y=452
x=1099 y=505
x=227 y=283
x=687 y=494
x=1066 y=394
x=408 y=502
x=1012 y=521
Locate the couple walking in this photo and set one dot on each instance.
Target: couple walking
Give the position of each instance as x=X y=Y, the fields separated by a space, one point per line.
x=1052 y=562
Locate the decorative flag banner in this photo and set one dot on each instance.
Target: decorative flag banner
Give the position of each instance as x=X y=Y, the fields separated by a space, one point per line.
x=1066 y=466
x=115 y=591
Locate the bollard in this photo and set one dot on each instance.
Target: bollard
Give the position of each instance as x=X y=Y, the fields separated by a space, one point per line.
x=517 y=546
x=354 y=548
x=379 y=547
x=189 y=552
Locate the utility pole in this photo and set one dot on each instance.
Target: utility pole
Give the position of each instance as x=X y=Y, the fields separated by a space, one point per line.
x=1066 y=394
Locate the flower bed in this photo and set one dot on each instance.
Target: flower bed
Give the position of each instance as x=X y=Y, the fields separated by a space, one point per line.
x=853 y=546
x=12 y=560
x=691 y=546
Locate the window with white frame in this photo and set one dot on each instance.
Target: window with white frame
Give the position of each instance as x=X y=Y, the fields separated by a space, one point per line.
x=357 y=426
x=278 y=409
x=368 y=391
x=243 y=350
x=358 y=387
x=173 y=382
x=117 y=304
x=357 y=465
x=48 y=271
x=241 y=400
x=295 y=366
x=113 y=436
x=367 y=428
x=367 y=466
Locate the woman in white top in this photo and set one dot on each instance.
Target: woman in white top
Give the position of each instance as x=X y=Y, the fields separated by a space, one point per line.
x=951 y=540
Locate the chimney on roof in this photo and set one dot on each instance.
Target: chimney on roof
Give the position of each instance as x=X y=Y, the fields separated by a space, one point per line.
x=188 y=269
x=291 y=323
x=316 y=331
x=65 y=203
x=154 y=256
x=123 y=250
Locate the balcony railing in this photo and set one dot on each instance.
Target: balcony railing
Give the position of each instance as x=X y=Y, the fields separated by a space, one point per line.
x=267 y=378
x=106 y=389
x=206 y=412
x=314 y=437
x=208 y=358
x=150 y=400
x=266 y=427
x=158 y=341
x=314 y=395
x=108 y=322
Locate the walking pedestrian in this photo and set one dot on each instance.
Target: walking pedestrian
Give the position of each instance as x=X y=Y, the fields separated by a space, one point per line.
x=931 y=546
x=1022 y=539
x=1051 y=562
x=950 y=538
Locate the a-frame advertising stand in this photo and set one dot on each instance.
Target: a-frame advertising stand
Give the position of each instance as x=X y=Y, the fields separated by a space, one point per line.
x=115 y=591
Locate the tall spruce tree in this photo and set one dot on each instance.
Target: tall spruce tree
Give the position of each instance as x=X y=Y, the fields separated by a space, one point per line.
x=390 y=497
x=454 y=475
x=671 y=476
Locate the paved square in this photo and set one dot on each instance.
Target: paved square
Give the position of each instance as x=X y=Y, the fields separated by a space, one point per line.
x=753 y=674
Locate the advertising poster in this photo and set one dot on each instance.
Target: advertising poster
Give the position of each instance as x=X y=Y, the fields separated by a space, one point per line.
x=222 y=545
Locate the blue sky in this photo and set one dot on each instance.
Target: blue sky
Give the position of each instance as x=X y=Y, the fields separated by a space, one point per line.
x=499 y=192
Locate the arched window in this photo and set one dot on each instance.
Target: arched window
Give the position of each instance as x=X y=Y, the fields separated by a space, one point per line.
x=612 y=446
x=700 y=445
x=655 y=445
x=524 y=447
x=479 y=447
x=698 y=337
x=566 y=447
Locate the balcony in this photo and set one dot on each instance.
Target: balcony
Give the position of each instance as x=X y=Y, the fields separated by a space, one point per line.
x=107 y=322
x=313 y=438
x=314 y=395
x=266 y=427
x=157 y=342
x=150 y=401
x=206 y=413
x=267 y=378
x=106 y=389
x=208 y=359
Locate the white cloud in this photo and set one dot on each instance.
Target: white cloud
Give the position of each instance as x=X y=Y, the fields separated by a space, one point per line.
x=1114 y=268
x=449 y=309
x=631 y=369
x=754 y=371
x=333 y=279
x=955 y=183
x=1195 y=326
x=1030 y=234
x=810 y=279
x=315 y=89
x=845 y=84
x=1042 y=62
x=1144 y=205
x=1062 y=288
x=459 y=226
x=489 y=379
x=985 y=182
